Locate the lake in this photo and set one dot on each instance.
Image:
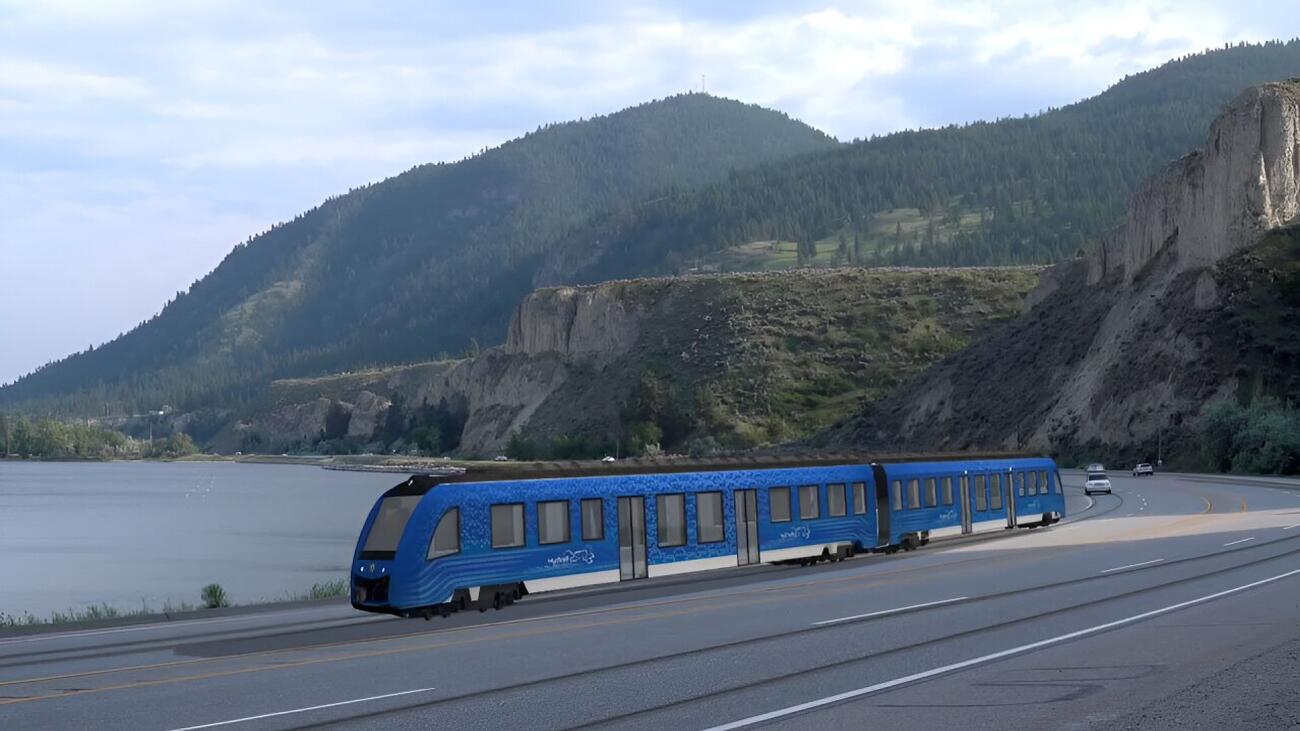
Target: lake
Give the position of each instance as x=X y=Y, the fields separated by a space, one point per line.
x=133 y=533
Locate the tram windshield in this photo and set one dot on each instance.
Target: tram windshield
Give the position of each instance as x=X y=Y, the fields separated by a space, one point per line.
x=388 y=526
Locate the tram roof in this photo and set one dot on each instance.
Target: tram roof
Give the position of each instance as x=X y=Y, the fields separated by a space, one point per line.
x=515 y=471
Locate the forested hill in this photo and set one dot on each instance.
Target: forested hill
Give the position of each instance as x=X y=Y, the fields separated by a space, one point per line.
x=409 y=267
x=1016 y=191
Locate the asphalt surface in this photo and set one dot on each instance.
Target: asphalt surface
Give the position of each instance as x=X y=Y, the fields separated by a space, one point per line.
x=1173 y=603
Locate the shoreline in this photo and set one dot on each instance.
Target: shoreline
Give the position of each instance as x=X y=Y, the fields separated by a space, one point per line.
x=356 y=463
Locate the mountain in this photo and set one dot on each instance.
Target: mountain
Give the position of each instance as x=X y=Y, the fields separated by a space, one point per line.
x=1193 y=300
x=415 y=265
x=433 y=261
x=1024 y=190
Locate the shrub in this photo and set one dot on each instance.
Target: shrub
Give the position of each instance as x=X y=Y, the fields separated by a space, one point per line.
x=214 y=597
x=1261 y=438
x=329 y=589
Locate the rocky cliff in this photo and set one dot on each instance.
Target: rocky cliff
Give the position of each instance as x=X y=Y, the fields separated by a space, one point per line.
x=1220 y=198
x=709 y=362
x=1118 y=350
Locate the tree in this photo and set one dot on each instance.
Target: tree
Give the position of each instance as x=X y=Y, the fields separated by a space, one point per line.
x=522 y=449
x=394 y=426
x=337 y=420
x=646 y=438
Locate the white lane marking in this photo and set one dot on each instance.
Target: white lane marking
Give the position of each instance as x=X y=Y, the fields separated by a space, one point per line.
x=179 y=624
x=828 y=700
x=304 y=710
x=884 y=612
x=1243 y=540
x=1133 y=565
x=1289 y=527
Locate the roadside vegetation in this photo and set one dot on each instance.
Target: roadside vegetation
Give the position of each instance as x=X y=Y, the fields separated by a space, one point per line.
x=212 y=596
x=1262 y=438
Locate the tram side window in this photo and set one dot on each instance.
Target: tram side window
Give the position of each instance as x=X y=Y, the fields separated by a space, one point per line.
x=446 y=537
x=947 y=491
x=809 y=509
x=981 y=497
x=708 y=518
x=670 y=511
x=835 y=503
x=1046 y=483
x=553 y=522
x=508 y=525
x=779 y=497
x=996 y=491
x=913 y=494
x=931 y=493
x=896 y=487
x=859 y=498
x=1020 y=485
x=593 y=520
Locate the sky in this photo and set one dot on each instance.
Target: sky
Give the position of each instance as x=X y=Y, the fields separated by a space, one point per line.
x=140 y=140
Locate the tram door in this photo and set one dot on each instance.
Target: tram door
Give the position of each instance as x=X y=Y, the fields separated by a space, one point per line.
x=884 y=536
x=746 y=527
x=966 y=526
x=631 y=538
x=1011 y=498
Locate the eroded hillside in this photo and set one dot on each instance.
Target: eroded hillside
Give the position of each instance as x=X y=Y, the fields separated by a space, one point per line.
x=691 y=364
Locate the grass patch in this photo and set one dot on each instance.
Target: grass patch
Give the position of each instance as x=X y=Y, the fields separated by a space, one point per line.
x=212 y=599
x=885 y=232
x=100 y=612
x=323 y=590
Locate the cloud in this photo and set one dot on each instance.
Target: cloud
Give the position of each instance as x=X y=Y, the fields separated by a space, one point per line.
x=26 y=78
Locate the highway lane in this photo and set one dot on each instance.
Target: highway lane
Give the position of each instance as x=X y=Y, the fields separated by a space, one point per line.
x=748 y=643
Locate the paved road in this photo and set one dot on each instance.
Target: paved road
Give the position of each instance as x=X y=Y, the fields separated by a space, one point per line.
x=1174 y=602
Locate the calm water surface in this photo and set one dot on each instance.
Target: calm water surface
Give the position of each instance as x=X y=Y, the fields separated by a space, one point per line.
x=129 y=533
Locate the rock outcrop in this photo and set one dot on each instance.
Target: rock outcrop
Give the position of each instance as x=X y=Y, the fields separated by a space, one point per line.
x=1118 y=350
x=1213 y=202
x=598 y=321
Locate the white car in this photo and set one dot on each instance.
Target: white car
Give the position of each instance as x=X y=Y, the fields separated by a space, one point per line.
x=1143 y=470
x=1097 y=482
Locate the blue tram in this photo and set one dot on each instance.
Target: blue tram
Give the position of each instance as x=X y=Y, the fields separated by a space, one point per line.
x=436 y=544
